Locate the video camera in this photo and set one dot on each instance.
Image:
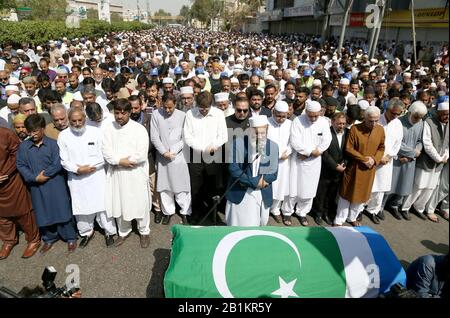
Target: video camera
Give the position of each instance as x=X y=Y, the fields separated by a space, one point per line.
x=50 y=290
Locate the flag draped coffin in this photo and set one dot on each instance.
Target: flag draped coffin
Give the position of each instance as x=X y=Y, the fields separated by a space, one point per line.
x=251 y=262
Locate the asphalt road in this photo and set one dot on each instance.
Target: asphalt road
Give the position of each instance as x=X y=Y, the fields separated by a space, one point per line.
x=130 y=271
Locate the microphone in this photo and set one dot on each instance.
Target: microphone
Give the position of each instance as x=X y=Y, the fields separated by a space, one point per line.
x=261 y=147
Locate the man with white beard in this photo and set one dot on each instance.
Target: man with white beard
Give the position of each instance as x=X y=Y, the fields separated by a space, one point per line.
x=222 y=102
x=81 y=155
x=310 y=137
x=393 y=131
x=430 y=162
x=253 y=168
x=279 y=132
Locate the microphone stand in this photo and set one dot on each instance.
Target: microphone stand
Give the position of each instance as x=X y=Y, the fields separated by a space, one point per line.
x=218 y=199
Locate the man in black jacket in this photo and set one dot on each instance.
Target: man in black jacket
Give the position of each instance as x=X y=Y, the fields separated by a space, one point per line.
x=333 y=166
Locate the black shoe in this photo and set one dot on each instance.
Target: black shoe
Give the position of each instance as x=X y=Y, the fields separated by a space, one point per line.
x=166 y=219
x=109 y=239
x=359 y=217
x=326 y=219
x=406 y=215
x=158 y=217
x=420 y=215
x=373 y=218
x=381 y=215
x=318 y=220
x=396 y=214
x=85 y=240
x=184 y=220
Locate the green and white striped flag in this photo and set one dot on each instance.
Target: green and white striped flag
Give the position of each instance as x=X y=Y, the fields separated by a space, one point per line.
x=251 y=262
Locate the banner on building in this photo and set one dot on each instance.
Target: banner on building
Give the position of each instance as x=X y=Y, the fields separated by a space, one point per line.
x=357 y=19
x=424 y=18
x=103 y=11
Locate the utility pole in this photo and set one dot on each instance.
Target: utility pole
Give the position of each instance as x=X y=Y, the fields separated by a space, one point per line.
x=326 y=19
x=414 y=31
x=378 y=29
x=138 y=11
x=348 y=7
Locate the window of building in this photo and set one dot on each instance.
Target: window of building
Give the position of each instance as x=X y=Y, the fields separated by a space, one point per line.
x=279 y=4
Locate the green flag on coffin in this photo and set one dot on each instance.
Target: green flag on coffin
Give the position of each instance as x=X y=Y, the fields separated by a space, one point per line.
x=252 y=262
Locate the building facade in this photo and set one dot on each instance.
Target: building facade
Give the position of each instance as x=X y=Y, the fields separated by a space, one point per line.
x=308 y=16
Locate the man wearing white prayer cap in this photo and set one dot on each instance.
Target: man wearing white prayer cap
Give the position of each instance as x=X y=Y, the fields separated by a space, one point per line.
x=310 y=137
x=12 y=107
x=430 y=164
x=187 y=98
x=279 y=132
x=222 y=101
x=168 y=85
x=253 y=168
x=11 y=89
x=440 y=193
x=343 y=91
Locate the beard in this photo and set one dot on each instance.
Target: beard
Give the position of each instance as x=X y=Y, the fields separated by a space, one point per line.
x=78 y=131
x=215 y=76
x=135 y=116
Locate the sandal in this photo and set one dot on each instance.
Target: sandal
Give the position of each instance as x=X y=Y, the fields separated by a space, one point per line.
x=287 y=220
x=355 y=223
x=303 y=221
x=433 y=218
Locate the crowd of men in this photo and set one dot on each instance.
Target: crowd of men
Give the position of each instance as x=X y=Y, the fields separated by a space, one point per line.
x=113 y=128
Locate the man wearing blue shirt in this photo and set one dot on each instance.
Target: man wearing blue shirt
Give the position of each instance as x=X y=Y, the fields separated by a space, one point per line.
x=39 y=164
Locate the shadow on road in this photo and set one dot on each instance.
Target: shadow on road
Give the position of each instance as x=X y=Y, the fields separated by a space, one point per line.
x=155 y=288
x=437 y=248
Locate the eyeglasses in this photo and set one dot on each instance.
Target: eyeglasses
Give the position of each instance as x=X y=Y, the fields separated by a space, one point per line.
x=3 y=79
x=242 y=111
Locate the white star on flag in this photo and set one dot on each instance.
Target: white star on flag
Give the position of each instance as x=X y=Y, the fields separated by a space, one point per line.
x=286 y=290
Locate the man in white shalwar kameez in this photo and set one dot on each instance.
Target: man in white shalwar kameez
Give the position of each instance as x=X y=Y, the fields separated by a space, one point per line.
x=125 y=148
x=393 y=130
x=430 y=163
x=279 y=132
x=173 y=181
x=310 y=137
x=80 y=149
x=253 y=168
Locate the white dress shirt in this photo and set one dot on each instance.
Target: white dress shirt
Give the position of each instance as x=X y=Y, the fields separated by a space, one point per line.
x=201 y=132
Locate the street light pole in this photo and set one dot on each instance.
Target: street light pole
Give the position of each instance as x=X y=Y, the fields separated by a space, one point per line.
x=348 y=7
x=377 y=31
x=414 y=31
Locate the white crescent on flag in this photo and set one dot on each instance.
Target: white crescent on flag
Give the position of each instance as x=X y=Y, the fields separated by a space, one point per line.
x=225 y=247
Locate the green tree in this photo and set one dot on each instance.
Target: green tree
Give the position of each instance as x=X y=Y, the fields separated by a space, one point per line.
x=54 y=10
x=185 y=12
x=162 y=13
x=205 y=10
x=116 y=17
x=8 y=4
x=236 y=15
x=92 y=14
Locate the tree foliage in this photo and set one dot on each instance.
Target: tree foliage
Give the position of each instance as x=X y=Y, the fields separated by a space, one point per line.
x=54 y=10
x=8 y=4
x=40 y=32
x=205 y=10
x=162 y=13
